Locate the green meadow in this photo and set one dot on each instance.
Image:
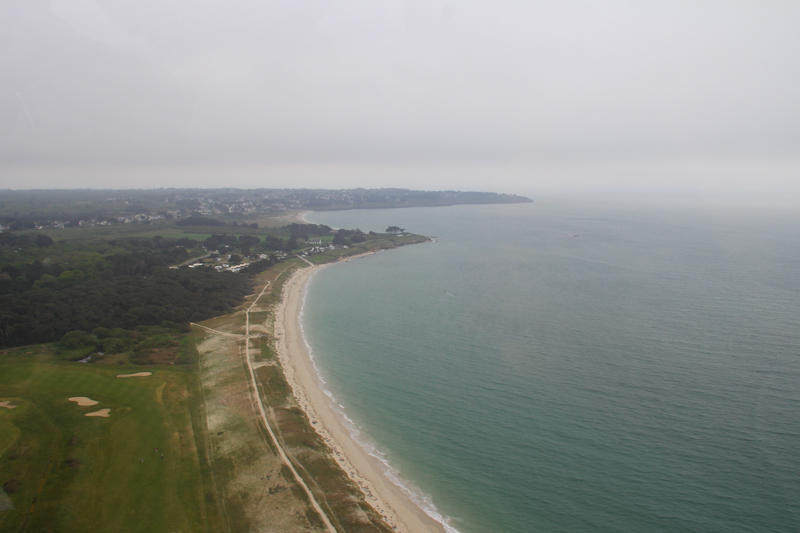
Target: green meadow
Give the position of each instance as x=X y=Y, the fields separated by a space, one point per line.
x=69 y=472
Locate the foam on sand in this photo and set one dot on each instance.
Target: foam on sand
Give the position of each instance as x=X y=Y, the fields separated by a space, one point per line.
x=83 y=401
x=101 y=412
x=136 y=375
x=7 y=405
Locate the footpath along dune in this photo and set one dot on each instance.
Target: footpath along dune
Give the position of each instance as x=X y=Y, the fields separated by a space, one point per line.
x=386 y=497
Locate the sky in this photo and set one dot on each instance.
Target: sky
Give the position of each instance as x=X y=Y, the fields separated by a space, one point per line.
x=506 y=95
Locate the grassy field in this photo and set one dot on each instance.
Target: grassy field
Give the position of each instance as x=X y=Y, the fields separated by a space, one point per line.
x=200 y=237
x=76 y=473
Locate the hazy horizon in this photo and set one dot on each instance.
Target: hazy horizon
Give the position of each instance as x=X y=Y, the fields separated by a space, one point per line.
x=509 y=96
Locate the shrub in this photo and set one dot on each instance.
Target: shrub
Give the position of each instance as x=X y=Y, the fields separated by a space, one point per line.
x=139 y=359
x=101 y=333
x=114 y=345
x=12 y=486
x=77 y=339
x=119 y=333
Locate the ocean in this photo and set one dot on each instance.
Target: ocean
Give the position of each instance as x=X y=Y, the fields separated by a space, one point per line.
x=574 y=366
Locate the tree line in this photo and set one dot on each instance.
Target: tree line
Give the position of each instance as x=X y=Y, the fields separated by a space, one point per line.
x=131 y=285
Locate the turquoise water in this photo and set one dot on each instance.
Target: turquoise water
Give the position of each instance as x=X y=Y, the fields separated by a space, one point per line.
x=576 y=366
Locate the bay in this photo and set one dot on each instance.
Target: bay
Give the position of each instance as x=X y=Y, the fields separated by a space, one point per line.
x=574 y=365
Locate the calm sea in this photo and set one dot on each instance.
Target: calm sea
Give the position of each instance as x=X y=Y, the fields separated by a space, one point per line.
x=575 y=366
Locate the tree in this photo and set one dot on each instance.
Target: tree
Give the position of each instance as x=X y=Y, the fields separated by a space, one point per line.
x=114 y=345
x=43 y=241
x=247 y=241
x=394 y=229
x=77 y=339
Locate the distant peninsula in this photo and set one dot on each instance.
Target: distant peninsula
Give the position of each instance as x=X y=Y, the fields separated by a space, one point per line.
x=141 y=205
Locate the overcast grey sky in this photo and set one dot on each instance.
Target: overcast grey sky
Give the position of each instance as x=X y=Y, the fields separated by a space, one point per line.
x=487 y=94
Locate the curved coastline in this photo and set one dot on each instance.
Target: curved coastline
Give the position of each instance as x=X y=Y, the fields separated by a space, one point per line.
x=301 y=217
x=387 y=497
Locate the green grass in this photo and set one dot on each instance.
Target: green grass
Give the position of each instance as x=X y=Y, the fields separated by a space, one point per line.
x=98 y=482
x=9 y=433
x=200 y=237
x=99 y=233
x=76 y=354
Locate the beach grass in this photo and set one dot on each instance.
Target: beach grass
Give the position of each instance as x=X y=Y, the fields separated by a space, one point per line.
x=340 y=496
x=79 y=473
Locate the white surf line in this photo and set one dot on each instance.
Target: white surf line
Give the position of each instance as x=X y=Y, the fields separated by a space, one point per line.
x=281 y=451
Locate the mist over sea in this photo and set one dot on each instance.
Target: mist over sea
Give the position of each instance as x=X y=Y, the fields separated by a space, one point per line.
x=576 y=366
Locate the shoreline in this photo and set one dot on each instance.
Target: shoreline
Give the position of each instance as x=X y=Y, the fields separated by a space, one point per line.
x=301 y=217
x=396 y=508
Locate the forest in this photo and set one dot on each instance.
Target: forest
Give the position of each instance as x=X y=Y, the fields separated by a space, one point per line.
x=120 y=279
x=118 y=284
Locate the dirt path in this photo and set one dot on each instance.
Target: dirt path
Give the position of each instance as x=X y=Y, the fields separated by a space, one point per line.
x=275 y=441
x=262 y=411
x=224 y=333
x=306 y=260
x=190 y=261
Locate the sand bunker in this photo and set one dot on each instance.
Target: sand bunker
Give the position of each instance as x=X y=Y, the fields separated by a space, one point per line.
x=83 y=401
x=101 y=412
x=7 y=405
x=136 y=375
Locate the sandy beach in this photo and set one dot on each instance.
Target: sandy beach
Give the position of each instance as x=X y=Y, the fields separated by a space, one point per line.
x=386 y=497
